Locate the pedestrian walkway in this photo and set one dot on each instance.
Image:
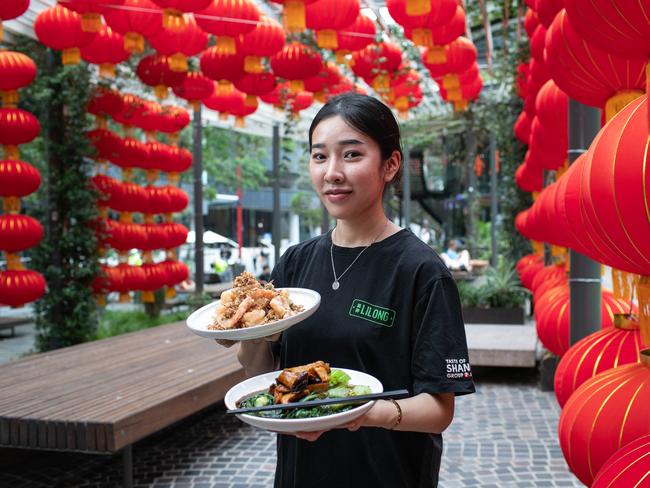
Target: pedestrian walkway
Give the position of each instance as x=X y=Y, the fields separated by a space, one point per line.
x=503 y=436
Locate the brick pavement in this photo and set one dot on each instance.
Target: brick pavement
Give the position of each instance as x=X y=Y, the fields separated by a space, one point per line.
x=503 y=436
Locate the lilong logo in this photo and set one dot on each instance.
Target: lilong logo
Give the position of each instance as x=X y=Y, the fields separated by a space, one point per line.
x=372 y=313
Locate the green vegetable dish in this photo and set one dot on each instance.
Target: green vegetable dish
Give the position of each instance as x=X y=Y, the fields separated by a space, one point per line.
x=336 y=386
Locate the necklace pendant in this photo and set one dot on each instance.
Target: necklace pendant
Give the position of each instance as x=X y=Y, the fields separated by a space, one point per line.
x=335 y=285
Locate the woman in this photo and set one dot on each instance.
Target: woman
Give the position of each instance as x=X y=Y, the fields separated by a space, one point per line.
x=389 y=307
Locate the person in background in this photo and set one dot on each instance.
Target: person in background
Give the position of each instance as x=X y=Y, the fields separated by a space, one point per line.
x=265 y=276
x=456 y=260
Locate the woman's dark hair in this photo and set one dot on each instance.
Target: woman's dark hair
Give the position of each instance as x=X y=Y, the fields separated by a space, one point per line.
x=369 y=116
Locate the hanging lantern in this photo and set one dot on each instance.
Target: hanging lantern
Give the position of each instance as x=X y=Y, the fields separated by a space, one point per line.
x=133 y=278
x=522 y=128
x=108 y=280
x=293 y=14
x=177 y=272
x=60 y=29
x=254 y=85
x=460 y=55
x=628 y=466
x=108 y=145
x=266 y=39
x=136 y=21
x=158 y=200
x=155 y=278
x=17 y=179
x=547 y=10
x=523 y=72
x=19 y=232
x=174 y=119
x=421 y=27
x=598 y=352
x=179 y=45
x=109 y=190
x=194 y=88
x=16 y=127
x=375 y=63
x=295 y=63
x=176 y=234
x=91 y=18
x=20 y=286
x=179 y=161
x=156 y=71
x=151 y=119
x=325 y=18
x=298 y=101
x=531 y=21
x=537 y=43
x=132 y=108
x=221 y=67
x=355 y=37
x=436 y=37
x=178 y=199
x=319 y=84
x=11 y=10
x=225 y=103
x=159 y=155
x=132 y=198
x=16 y=71
x=604 y=414
x=529 y=178
x=133 y=154
x=173 y=17
x=105 y=50
x=242 y=109
x=228 y=19
x=103 y=103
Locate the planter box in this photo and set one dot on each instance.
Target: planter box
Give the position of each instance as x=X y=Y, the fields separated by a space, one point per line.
x=475 y=315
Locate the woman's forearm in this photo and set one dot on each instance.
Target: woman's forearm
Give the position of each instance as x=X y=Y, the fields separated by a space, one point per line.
x=256 y=357
x=421 y=413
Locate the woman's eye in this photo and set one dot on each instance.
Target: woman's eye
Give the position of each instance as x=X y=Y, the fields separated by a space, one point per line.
x=351 y=155
x=318 y=157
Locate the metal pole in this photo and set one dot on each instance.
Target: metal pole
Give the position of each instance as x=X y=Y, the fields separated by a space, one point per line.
x=493 y=199
x=127 y=467
x=471 y=191
x=406 y=189
x=584 y=277
x=197 y=164
x=277 y=222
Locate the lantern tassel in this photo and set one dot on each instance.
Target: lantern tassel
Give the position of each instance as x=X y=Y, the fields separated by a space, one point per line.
x=240 y=122
x=160 y=91
x=450 y=81
x=107 y=70
x=418 y=7
x=250 y=101
x=125 y=297
x=13 y=262
x=224 y=87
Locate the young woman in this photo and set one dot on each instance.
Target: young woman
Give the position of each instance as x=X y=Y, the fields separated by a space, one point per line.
x=389 y=307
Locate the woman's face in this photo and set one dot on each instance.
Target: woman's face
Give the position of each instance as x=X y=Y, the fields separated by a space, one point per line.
x=346 y=169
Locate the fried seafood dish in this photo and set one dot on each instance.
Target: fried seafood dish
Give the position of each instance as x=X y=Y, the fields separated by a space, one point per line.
x=312 y=381
x=249 y=303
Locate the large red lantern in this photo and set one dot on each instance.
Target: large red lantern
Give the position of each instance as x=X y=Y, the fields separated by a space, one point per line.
x=547 y=9
x=255 y=84
x=194 y=88
x=326 y=18
x=531 y=21
x=522 y=128
x=174 y=119
x=16 y=127
x=438 y=27
x=376 y=62
x=180 y=45
x=460 y=55
x=11 y=10
x=598 y=352
x=133 y=278
x=228 y=19
x=603 y=415
x=328 y=77
x=295 y=63
x=139 y=19
x=629 y=466
x=19 y=232
x=60 y=28
x=109 y=190
x=20 y=286
x=222 y=67
x=133 y=154
x=178 y=199
x=355 y=37
x=156 y=71
x=18 y=178
x=108 y=280
x=439 y=13
x=173 y=17
x=437 y=37
x=16 y=71
x=179 y=161
x=243 y=109
x=132 y=198
x=105 y=102
x=176 y=234
x=90 y=10
x=266 y=39
x=132 y=108
x=106 y=50
x=108 y=145
x=155 y=278
x=151 y=119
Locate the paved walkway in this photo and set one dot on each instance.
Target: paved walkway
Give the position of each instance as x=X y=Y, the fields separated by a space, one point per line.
x=503 y=436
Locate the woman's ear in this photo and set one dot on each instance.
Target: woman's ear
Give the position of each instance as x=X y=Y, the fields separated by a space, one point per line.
x=392 y=165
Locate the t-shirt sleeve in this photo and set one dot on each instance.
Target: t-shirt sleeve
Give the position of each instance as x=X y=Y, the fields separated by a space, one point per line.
x=440 y=362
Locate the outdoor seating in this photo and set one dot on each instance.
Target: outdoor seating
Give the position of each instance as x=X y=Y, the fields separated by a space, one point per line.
x=102 y=397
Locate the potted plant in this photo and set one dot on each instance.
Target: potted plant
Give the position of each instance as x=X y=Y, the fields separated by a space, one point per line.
x=499 y=299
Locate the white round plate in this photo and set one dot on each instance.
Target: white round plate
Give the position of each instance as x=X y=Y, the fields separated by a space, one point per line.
x=199 y=320
x=327 y=422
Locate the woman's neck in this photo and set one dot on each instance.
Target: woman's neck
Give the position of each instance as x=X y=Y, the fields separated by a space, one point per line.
x=363 y=231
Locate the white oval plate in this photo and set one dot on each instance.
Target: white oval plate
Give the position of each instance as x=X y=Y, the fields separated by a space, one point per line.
x=327 y=422
x=200 y=319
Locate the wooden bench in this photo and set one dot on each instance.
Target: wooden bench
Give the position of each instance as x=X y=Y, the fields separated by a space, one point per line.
x=103 y=396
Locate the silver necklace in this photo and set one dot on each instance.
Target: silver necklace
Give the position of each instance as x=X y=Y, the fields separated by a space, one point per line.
x=337 y=279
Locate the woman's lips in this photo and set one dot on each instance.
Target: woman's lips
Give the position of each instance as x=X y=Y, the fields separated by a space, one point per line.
x=337 y=196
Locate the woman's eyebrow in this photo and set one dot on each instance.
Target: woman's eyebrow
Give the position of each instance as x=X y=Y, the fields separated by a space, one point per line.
x=345 y=142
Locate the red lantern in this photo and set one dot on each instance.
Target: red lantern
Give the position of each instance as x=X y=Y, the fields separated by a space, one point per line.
x=604 y=414
x=221 y=67
x=133 y=278
x=91 y=19
x=18 y=178
x=139 y=19
x=547 y=9
x=11 y=10
x=355 y=37
x=523 y=71
x=19 y=232
x=159 y=155
x=531 y=21
x=173 y=17
x=178 y=199
x=537 y=43
x=180 y=45
x=375 y=62
x=224 y=103
x=588 y=74
x=18 y=287
x=629 y=466
x=16 y=127
x=156 y=237
x=108 y=280
x=437 y=37
x=16 y=71
x=177 y=272
x=439 y=13
x=243 y=109
x=108 y=145
x=194 y=88
x=529 y=178
x=156 y=71
x=254 y=85
x=522 y=128
x=179 y=161
x=295 y=63
x=151 y=119
x=158 y=200
x=155 y=278
x=174 y=119
x=598 y=352
x=460 y=56
x=299 y=101
x=328 y=77
x=133 y=154
x=132 y=108
x=60 y=28
x=266 y=39
x=132 y=198
x=228 y=19
x=105 y=102
x=176 y=234
x=109 y=189
x=106 y=50
x=325 y=18
x=294 y=14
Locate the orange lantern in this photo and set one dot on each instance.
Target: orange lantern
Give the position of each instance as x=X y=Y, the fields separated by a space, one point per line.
x=604 y=414
x=228 y=19
x=16 y=71
x=20 y=286
x=295 y=63
x=173 y=17
x=60 y=28
x=180 y=44
x=139 y=19
x=11 y=10
x=106 y=50
x=598 y=352
x=194 y=88
x=156 y=71
x=326 y=17
x=266 y=39
x=629 y=466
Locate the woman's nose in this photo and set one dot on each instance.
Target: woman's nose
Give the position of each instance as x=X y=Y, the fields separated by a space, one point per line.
x=334 y=171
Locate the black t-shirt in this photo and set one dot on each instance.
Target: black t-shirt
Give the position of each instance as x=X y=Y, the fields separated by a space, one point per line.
x=396 y=316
